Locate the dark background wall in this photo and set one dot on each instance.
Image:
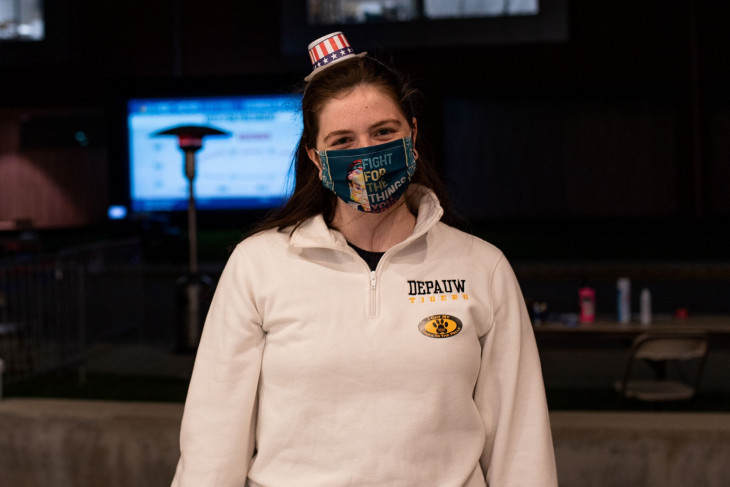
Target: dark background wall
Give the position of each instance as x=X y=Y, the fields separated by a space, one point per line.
x=626 y=119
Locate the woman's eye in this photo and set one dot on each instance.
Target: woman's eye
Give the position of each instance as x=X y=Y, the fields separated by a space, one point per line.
x=340 y=141
x=384 y=131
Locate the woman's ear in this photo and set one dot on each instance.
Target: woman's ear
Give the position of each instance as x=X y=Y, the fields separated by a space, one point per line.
x=414 y=131
x=314 y=157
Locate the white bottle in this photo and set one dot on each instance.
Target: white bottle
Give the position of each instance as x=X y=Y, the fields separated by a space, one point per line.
x=645 y=306
x=623 y=301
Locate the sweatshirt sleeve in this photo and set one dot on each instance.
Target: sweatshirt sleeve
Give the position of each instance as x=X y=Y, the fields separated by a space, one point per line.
x=510 y=394
x=217 y=436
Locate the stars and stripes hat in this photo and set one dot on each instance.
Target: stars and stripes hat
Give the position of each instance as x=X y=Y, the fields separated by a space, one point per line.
x=328 y=50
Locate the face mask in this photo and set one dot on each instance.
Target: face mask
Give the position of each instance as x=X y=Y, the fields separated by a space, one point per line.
x=370 y=178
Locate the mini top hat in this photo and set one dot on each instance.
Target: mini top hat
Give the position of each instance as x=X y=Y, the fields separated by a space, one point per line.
x=329 y=50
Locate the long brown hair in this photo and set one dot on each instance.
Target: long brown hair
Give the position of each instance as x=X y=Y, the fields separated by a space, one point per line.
x=310 y=197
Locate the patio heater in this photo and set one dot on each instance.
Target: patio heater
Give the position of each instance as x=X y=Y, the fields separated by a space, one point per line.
x=192 y=285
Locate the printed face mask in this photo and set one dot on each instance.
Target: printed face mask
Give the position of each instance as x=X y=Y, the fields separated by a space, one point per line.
x=370 y=178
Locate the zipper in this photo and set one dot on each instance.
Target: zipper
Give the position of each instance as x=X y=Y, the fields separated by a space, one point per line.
x=373 y=293
x=373 y=308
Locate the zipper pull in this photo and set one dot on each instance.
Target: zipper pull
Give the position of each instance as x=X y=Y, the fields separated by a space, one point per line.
x=372 y=279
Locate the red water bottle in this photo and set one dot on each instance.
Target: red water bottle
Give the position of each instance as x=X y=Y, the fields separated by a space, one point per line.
x=587 y=298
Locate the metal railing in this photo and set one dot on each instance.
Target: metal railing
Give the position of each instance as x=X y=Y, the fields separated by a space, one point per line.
x=54 y=308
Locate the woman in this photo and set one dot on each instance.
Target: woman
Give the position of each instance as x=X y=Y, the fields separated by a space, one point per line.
x=347 y=347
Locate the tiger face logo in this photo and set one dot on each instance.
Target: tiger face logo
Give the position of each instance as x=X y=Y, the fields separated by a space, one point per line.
x=440 y=326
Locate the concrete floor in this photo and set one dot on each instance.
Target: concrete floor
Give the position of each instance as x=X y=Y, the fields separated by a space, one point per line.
x=71 y=443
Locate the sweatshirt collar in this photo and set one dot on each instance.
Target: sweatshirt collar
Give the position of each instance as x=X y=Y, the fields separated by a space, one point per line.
x=315 y=233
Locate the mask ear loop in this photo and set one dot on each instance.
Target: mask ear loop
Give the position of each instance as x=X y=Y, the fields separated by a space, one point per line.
x=415 y=152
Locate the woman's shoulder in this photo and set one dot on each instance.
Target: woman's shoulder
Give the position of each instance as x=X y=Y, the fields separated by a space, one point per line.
x=265 y=240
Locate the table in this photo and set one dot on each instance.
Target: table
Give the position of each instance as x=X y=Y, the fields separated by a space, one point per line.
x=592 y=355
x=718 y=327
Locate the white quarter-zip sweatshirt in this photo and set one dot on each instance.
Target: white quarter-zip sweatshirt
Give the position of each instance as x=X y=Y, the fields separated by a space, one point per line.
x=314 y=371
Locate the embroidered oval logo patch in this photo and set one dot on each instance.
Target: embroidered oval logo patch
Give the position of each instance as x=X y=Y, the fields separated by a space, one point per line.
x=440 y=326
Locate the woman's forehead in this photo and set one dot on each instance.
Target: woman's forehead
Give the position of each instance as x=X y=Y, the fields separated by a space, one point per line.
x=364 y=101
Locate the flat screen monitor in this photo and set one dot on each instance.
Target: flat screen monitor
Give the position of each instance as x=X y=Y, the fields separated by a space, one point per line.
x=249 y=168
x=333 y=12
x=419 y=24
x=38 y=33
x=21 y=20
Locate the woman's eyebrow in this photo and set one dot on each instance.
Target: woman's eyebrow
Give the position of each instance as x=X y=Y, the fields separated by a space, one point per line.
x=386 y=122
x=337 y=133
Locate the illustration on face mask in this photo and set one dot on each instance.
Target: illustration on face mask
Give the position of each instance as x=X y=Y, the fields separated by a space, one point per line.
x=358 y=191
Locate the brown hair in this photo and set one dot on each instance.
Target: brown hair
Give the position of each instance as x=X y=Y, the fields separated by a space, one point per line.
x=310 y=197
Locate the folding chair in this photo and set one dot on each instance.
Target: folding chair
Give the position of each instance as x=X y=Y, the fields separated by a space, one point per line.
x=672 y=356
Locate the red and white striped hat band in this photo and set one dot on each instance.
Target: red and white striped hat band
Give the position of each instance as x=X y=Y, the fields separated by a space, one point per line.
x=329 y=50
